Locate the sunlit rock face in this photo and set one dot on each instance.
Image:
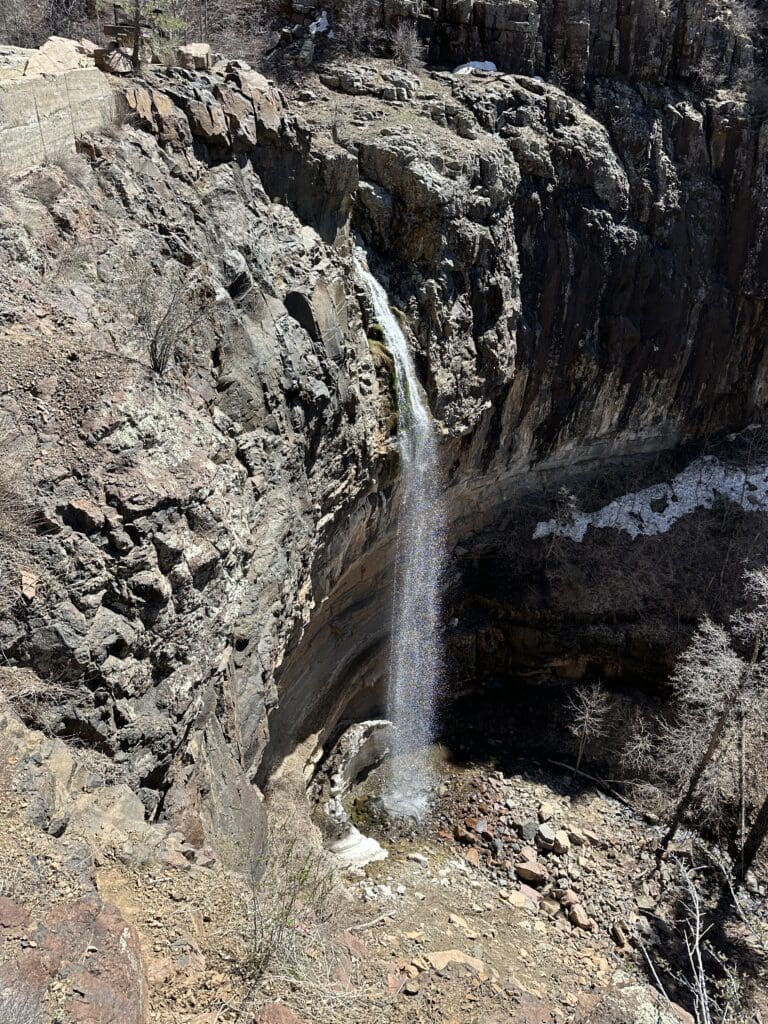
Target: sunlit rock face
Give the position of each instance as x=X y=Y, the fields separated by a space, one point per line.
x=580 y=265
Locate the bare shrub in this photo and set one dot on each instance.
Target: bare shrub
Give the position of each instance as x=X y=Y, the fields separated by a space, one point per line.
x=30 y=22
x=358 y=25
x=123 y=117
x=75 y=167
x=33 y=697
x=407 y=48
x=292 y=906
x=170 y=310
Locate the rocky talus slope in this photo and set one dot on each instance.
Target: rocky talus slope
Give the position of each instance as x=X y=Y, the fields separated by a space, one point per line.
x=203 y=581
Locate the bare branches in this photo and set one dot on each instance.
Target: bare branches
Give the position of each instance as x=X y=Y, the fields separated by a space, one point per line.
x=169 y=312
x=407 y=49
x=589 y=708
x=711 y=750
x=290 y=904
x=684 y=957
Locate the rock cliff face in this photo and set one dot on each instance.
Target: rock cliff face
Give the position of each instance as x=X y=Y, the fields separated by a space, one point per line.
x=573 y=44
x=49 y=98
x=581 y=263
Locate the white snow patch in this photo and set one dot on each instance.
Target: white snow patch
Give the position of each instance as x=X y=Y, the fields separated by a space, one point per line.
x=321 y=25
x=475 y=65
x=354 y=850
x=653 y=510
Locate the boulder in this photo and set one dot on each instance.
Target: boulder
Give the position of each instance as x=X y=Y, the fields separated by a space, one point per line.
x=194 y=56
x=533 y=872
x=545 y=837
x=58 y=55
x=561 y=842
x=547 y=810
x=579 y=918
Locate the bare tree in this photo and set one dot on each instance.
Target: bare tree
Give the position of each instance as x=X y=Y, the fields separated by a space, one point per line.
x=714 y=987
x=589 y=708
x=720 y=693
x=407 y=48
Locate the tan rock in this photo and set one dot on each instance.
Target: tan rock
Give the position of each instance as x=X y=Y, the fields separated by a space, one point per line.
x=441 y=958
x=58 y=55
x=194 y=56
x=547 y=810
x=562 y=842
x=579 y=918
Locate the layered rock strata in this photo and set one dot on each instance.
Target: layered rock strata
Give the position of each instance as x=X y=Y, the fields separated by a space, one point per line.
x=583 y=274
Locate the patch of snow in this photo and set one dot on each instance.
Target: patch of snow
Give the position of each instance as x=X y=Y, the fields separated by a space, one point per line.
x=321 y=25
x=354 y=850
x=654 y=509
x=475 y=65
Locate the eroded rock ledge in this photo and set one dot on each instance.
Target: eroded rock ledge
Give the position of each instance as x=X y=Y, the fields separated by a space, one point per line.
x=584 y=279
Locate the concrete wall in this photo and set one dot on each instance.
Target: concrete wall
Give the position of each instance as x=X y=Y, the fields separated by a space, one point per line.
x=41 y=116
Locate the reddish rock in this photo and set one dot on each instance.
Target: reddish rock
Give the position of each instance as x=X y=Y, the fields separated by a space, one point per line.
x=13 y=916
x=353 y=945
x=530 y=894
x=278 y=1013
x=83 y=515
x=532 y=871
x=462 y=836
x=579 y=918
x=90 y=944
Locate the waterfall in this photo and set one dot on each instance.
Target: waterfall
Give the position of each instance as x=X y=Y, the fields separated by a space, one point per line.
x=416 y=650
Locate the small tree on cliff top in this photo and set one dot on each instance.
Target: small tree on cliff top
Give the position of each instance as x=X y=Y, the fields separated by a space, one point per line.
x=166 y=17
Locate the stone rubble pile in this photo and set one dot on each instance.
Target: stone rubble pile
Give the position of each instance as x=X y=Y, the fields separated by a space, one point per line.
x=542 y=861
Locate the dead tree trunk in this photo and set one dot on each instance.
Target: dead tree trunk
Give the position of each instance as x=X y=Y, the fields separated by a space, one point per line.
x=136 y=55
x=755 y=840
x=684 y=802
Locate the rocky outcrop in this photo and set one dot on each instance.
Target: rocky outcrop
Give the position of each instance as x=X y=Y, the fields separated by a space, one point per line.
x=570 y=44
x=49 y=98
x=212 y=564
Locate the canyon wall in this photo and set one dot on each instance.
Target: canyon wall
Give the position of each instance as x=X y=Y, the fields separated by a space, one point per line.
x=581 y=265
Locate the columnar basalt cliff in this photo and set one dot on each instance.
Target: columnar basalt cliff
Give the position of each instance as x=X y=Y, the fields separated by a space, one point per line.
x=581 y=264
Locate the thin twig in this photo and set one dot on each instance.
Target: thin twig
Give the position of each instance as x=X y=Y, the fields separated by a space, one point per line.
x=370 y=924
x=645 y=815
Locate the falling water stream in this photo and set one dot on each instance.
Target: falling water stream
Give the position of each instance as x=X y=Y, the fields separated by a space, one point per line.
x=416 y=649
